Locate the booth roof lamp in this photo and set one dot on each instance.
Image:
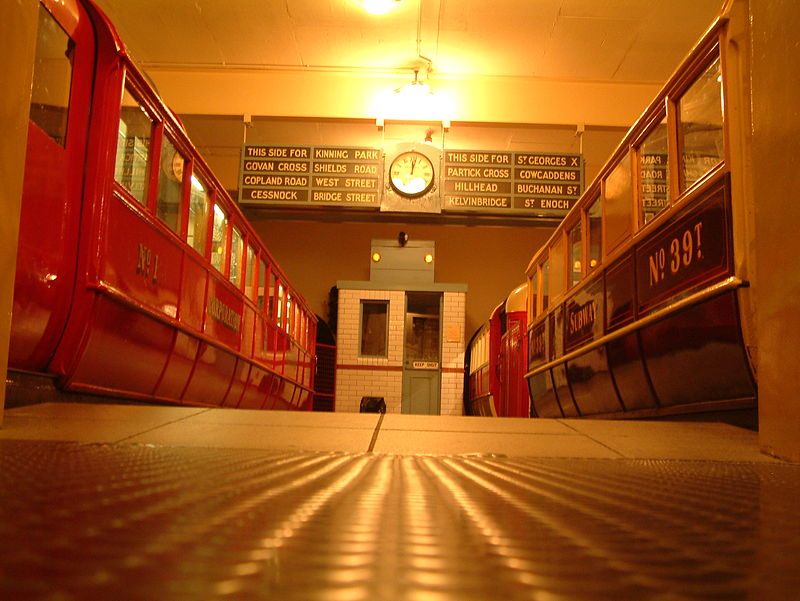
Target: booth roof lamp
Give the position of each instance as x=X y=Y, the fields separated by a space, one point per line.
x=376 y=256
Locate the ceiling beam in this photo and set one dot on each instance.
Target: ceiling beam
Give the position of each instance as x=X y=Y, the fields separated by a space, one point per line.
x=327 y=94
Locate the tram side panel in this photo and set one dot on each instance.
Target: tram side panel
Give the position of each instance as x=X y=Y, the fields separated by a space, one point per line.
x=690 y=358
x=145 y=315
x=656 y=232
x=51 y=201
x=512 y=356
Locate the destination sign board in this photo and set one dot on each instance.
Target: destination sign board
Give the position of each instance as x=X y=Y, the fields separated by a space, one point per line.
x=318 y=175
x=533 y=184
x=537 y=184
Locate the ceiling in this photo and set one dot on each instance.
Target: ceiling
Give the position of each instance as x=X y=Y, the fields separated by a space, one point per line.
x=606 y=41
x=609 y=40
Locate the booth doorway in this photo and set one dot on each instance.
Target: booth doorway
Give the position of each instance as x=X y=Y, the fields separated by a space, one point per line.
x=422 y=353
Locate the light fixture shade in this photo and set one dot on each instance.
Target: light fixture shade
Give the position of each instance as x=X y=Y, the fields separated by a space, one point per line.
x=414 y=101
x=379 y=7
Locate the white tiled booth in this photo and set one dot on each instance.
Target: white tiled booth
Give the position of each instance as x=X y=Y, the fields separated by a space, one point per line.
x=401 y=335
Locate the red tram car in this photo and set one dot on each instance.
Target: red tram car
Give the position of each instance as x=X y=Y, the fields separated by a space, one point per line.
x=641 y=302
x=137 y=275
x=495 y=361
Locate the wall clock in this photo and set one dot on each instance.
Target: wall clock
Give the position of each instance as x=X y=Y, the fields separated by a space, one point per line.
x=411 y=174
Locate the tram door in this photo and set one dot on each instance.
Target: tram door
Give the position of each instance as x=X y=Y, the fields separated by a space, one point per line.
x=421 y=362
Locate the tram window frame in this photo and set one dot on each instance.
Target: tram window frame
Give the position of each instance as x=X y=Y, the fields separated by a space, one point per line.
x=573 y=277
x=143 y=143
x=280 y=296
x=250 y=285
x=617 y=191
x=533 y=293
x=272 y=295
x=594 y=251
x=261 y=286
x=713 y=60
x=558 y=266
x=660 y=127
x=171 y=171
x=219 y=246
x=236 y=253
x=302 y=325
x=197 y=223
x=289 y=321
x=545 y=270
x=51 y=88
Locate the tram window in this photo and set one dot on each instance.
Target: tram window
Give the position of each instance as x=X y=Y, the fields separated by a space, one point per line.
x=132 y=169
x=301 y=327
x=219 y=238
x=271 y=296
x=618 y=204
x=700 y=135
x=169 y=185
x=52 y=77
x=545 y=284
x=557 y=268
x=262 y=282
x=197 y=233
x=374 y=329
x=280 y=305
x=250 y=270
x=595 y=219
x=575 y=264
x=533 y=291
x=289 y=314
x=654 y=172
x=237 y=248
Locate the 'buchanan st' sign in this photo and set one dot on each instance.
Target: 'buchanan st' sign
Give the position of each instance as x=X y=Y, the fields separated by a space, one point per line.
x=519 y=182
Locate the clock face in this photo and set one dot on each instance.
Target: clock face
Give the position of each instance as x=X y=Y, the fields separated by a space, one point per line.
x=411 y=174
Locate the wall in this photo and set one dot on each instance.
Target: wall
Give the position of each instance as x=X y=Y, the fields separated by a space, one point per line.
x=452 y=384
x=491 y=260
x=17 y=39
x=219 y=138
x=776 y=130
x=317 y=249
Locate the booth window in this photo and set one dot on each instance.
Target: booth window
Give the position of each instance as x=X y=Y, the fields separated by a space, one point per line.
x=374 y=328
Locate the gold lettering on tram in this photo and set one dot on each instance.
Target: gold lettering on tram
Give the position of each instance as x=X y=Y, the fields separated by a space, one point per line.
x=219 y=311
x=147 y=264
x=682 y=251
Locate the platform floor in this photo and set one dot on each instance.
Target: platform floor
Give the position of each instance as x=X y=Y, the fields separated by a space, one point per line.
x=116 y=502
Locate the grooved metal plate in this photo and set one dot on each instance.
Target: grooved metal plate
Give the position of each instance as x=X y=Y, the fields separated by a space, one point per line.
x=115 y=522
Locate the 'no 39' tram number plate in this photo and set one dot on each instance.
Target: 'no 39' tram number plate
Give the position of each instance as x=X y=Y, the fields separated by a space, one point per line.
x=693 y=250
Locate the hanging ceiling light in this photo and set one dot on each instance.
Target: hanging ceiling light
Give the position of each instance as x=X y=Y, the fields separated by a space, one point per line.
x=414 y=101
x=379 y=7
